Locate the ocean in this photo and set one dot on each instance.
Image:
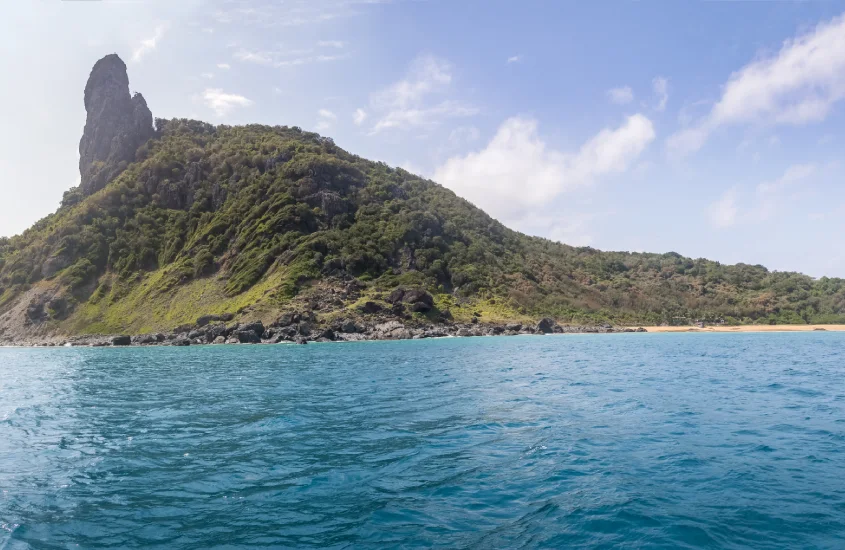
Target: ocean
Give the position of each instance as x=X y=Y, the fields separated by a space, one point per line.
x=572 y=441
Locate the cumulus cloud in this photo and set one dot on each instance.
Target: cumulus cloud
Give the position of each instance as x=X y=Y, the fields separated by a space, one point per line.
x=621 y=95
x=325 y=120
x=514 y=59
x=660 y=85
x=359 y=116
x=223 y=103
x=406 y=104
x=517 y=174
x=224 y=66
x=798 y=85
x=149 y=44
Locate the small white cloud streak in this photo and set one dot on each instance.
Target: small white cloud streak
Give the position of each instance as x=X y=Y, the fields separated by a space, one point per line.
x=514 y=59
x=223 y=103
x=660 y=85
x=621 y=95
x=224 y=66
x=722 y=213
x=325 y=120
x=359 y=116
x=768 y=198
x=149 y=44
x=404 y=104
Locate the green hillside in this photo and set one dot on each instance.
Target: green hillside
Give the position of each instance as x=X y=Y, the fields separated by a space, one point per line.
x=224 y=219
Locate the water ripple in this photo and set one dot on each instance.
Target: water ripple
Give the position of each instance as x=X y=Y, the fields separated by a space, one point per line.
x=593 y=441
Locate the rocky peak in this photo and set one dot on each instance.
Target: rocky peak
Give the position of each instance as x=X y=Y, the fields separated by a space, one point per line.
x=117 y=124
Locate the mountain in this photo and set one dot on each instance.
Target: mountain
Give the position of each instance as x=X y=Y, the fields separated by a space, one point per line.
x=186 y=219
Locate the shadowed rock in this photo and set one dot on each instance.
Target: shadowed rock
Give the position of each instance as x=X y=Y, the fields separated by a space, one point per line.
x=116 y=125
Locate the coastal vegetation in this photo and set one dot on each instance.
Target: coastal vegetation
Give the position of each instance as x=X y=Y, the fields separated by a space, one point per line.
x=216 y=219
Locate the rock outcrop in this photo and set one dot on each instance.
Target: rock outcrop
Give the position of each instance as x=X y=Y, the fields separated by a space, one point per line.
x=116 y=126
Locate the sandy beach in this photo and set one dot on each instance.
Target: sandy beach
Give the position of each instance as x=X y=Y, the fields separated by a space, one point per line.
x=751 y=328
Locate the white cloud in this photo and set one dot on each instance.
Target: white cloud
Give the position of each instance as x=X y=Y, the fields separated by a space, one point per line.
x=359 y=116
x=463 y=135
x=514 y=59
x=404 y=104
x=413 y=168
x=224 y=66
x=207 y=75
x=517 y=173
x=425 y=116
x=325 y=120
x=286 y=58
x=149 y=44
x=621 y=95
x=722 y=213
x=660 y=85
x=798 y=85
x=331 y=44
x=222 y=103
x=768 y=198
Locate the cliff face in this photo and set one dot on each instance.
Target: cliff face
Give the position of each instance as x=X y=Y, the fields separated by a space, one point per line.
x=116 y=125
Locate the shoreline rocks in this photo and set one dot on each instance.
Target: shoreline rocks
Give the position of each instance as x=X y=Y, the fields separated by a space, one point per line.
x=303 y=328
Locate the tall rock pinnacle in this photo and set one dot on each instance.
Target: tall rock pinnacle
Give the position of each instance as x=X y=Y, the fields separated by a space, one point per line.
x=117 y=124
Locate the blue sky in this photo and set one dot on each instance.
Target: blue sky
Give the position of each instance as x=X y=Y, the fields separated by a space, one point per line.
x=713 y=129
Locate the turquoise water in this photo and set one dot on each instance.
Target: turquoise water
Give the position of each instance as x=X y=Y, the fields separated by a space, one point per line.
x=624 y=440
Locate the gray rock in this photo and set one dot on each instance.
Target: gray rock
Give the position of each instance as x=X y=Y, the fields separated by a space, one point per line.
x=181 y=342
x=219 y=340
x=546 y=325
x=247 y=336
x=255 y=326
x=117 y=124
x=122 y=340
x=370 y=307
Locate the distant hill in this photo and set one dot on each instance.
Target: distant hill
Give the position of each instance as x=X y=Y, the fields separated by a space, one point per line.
x=188 y=219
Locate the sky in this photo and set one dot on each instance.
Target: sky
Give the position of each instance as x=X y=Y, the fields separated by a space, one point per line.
x=711 y=129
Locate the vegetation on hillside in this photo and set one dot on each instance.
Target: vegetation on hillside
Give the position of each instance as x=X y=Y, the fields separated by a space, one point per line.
x=276 y=208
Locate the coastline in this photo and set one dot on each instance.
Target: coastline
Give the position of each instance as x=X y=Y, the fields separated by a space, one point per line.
x=751 y=328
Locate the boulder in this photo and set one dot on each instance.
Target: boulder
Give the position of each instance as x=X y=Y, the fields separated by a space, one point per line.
x=420 y=307
x=219 y=340
x=247 y=336
x=414 y=296
x=287 y=319
x=349 y=327
x=396 y=296
x=514 y=327
x=206 y=319
x=370 y=307
x=181 y=342
x=255 y=326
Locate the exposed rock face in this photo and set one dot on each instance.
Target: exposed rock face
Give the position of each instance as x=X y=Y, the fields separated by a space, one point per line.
x=117 y=124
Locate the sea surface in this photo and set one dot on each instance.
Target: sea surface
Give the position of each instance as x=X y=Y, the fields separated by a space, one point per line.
x=572 y=441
